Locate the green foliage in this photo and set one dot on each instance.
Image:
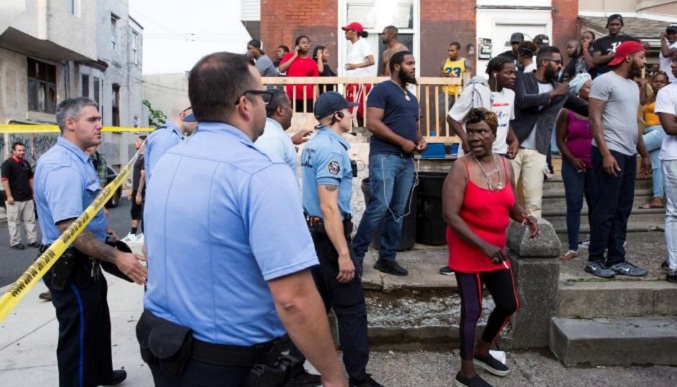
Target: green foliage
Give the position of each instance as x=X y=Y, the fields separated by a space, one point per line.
x=155 y=117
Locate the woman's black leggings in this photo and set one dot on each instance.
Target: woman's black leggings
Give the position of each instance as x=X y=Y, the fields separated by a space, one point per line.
x=501 y=285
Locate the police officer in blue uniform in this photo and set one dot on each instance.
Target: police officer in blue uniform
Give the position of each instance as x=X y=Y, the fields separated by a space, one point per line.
x=327 y=188
x=169 y=135
x=228 y=249
x=65 y=185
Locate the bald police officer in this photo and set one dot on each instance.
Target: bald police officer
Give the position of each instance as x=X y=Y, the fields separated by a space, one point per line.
x=65 y=185
x=327 y=187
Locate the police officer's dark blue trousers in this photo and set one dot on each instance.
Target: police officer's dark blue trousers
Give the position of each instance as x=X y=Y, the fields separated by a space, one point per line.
x=84 y=350
x=202 y=374
x=347 y=300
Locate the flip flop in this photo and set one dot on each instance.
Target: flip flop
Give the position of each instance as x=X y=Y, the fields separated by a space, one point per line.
x=569 y=255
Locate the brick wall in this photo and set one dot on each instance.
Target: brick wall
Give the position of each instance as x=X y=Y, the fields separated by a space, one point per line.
x=443 y=22
x=565 y=23
x=283 y=21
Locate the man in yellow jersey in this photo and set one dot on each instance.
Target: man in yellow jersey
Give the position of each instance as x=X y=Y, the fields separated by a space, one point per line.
x=454 y=67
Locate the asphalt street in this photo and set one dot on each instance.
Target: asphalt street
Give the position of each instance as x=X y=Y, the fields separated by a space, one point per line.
x=14 y=262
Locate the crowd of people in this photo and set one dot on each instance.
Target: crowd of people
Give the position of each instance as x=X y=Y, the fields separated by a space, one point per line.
x=257 y=268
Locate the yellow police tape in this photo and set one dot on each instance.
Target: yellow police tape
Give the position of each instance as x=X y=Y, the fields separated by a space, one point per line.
x=16 y=292
x=20 y=128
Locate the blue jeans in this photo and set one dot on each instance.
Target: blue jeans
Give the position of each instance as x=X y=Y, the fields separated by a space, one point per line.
x=611 y=208
x=653 y=139
x=577 y=185
x=391 y=178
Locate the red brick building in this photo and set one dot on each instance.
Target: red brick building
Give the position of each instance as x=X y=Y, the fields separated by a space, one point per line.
x=426 y=26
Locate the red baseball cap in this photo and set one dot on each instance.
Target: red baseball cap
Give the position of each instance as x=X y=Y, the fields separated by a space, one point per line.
x=355 y=26
x=626 y=48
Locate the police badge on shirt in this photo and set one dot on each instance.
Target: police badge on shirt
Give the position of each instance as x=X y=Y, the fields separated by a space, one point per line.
x=334 y=167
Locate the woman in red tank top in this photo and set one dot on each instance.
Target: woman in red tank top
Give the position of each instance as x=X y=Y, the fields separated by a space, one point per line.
x=478 y=200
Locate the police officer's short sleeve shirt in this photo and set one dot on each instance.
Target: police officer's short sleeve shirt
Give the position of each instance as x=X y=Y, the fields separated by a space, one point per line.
x=65 y=185
x=222 y=219
x=325 y=161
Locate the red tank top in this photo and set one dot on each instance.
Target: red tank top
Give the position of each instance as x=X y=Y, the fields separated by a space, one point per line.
x=487 y=213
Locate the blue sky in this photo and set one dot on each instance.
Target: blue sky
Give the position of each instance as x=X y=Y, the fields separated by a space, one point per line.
x=178 y=33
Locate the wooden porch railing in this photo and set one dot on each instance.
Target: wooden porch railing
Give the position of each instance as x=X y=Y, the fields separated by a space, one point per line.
x=433 y=102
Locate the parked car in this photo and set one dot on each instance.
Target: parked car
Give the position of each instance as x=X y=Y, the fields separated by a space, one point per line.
x=115 y=200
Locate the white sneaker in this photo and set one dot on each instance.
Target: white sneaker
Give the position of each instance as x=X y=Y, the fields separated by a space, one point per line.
x=139 y=238
x=130 y=238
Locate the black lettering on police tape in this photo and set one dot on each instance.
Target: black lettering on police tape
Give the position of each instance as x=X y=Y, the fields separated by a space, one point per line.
x=25 y=279
x=31 y=273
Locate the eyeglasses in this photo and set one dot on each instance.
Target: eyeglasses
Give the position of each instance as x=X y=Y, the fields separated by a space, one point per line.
x=266 y=96
x=558 y=61
x=186 y=109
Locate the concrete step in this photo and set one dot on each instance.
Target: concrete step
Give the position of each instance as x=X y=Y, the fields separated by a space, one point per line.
x=561 y=227
x=616 y=298
x=557 y=183
x=615 y=342
x=557 y=217
x=556 y=199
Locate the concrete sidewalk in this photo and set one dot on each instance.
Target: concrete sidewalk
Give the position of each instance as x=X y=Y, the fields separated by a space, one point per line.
x=28 y=341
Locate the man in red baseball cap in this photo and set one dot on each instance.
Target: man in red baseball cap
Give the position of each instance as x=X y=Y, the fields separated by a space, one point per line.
x=613 y=104
x=359 y=57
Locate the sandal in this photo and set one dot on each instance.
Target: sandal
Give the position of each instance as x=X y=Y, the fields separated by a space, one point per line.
x=654 y=203
x=571 y=254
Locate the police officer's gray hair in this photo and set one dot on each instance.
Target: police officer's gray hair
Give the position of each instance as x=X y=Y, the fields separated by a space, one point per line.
x=71 y=108
x=279 y=99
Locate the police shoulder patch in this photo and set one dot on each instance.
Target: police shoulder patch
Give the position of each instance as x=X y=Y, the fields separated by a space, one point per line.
x=334 y=167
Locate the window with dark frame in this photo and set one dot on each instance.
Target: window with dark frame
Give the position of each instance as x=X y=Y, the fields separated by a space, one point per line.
x=85 y=85
x=116 y=105
x=41 y=86
x=96 y=91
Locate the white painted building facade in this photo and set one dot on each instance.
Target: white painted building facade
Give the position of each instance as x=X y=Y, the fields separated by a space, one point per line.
x=52 y=50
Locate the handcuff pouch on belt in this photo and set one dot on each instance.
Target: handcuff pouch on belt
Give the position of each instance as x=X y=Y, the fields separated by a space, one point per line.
x=170 y=347
x=165 y=344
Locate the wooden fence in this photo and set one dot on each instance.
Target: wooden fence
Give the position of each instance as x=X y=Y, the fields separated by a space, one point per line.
x=434 y=102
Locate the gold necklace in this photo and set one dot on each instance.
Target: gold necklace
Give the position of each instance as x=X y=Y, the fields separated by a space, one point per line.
x=406 y=96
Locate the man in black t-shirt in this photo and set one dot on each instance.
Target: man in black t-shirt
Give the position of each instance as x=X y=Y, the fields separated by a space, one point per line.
x=604 y=48
x=138 y=193
x=392 y=118
x=17 y=180
x=515 y=40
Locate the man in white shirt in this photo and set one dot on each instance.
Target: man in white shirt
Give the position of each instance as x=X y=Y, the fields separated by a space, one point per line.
x=668 y=49
x=274 y=141
x=359 y=57
x=666 y=108
x=496 y=96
